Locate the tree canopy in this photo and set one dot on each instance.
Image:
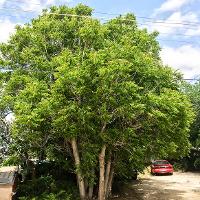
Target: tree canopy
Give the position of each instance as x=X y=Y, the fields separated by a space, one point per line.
x=193 y=92
x=97 y=90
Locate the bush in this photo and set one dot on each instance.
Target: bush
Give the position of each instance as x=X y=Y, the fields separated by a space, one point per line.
x=37 y=187
x=11 y=160
x=178 y=166
x=62 y=195
x=46 y=188
x=197 y=164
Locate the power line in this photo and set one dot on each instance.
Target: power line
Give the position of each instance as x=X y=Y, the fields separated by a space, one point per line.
x=103 y=18
x=191 y=24
x=179 y=41
x=178 y=34
x=172 y=26
x=86 y=16
x=191 y=79
x=150 y=18
x=159 y=33
x=172 y=23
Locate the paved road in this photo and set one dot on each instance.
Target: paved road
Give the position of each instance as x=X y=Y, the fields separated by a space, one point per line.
x=180 y=186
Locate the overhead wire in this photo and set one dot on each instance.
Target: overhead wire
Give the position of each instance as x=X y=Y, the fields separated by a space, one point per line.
x=103 y=18
x=178 y=41
x=159 y=33
x=172 y=26
x=150 y=20
x=121 y=19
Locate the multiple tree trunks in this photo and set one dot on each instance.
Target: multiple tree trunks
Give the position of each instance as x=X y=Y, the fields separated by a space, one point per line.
x=106 y=175
x=106 y=172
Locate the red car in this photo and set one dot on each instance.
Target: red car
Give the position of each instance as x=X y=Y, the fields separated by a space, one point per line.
x=161 y=167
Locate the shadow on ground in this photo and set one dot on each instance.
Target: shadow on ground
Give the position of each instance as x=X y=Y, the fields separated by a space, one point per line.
x=146 y=189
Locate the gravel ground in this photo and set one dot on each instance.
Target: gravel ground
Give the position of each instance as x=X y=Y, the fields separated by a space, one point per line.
x=180 y=186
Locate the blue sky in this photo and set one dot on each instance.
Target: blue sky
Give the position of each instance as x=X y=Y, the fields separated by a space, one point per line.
x=178 y=22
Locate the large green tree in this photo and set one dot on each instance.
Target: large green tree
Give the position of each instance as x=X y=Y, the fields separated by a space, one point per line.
x=193 y=92
x=98 y=89
x=193 y=161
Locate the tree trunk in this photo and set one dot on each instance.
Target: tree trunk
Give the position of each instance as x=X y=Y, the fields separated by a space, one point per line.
x=78 y=173
x=101 y=195
x=107 y=175
x=109 y=189
x=86 y=185
x=90 y=193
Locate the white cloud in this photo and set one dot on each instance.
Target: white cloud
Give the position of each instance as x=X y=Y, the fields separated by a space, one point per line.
x=38 y=5
x=54 y=2
x=6 y=29
x=50 y=2
x=184 y=58
x=2 y=2
x=175 y=23
x=33 y=5
x=194 y=32
x=172 y=5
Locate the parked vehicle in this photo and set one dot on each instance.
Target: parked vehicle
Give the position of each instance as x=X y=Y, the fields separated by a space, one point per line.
x=161 y=167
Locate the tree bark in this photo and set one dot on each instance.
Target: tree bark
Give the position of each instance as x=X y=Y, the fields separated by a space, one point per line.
x=86 y=185
x=90 y=193
x=101 y=194
x=78 y=173
x=107 y=174
x=109 y=190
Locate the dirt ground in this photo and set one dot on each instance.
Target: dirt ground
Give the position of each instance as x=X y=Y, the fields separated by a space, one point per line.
x=180 y=186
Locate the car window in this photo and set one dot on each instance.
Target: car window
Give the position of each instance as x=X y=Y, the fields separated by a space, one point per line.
x=160 y=162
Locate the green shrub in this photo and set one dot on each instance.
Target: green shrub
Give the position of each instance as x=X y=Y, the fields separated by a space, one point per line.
x=62 y=195
x=178 y=166
x=46 y=188
x=197 y=163
x=37 y=187
x=11 y=160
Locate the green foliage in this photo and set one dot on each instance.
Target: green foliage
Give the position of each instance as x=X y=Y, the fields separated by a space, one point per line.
x=11 y=160
x=197 y=163
x=178 y=166
x=47 y=188
x=37 y=186
x=193 y=92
